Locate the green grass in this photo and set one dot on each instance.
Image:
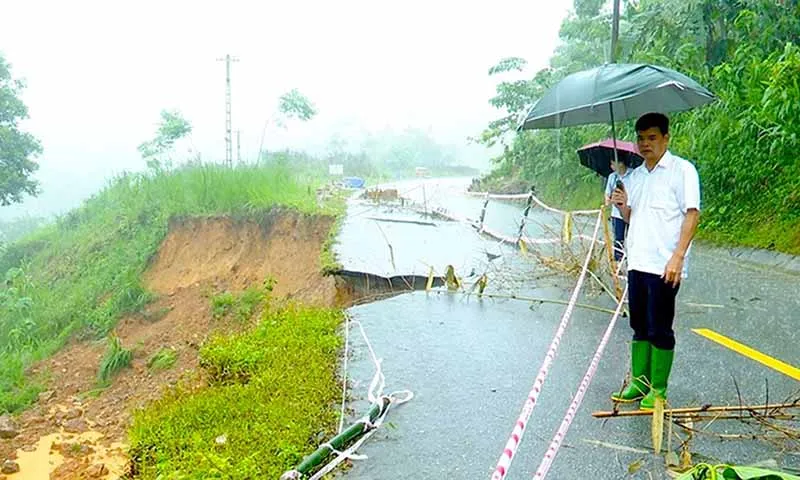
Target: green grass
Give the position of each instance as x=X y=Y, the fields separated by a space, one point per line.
x=270 y=394
x=763 y=232
x=79 y=275
x=222 y=304
x=243 y=305
x=163 y=359
x=328 y=262
x=582 y=195
x=115 y=359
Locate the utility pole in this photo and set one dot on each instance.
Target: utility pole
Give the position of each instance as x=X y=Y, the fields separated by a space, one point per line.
x=238 y=146
x=228 y=139
x=614 y=32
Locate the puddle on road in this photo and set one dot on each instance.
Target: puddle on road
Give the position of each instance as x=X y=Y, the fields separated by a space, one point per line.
x=40 y=463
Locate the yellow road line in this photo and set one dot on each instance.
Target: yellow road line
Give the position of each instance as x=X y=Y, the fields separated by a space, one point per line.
x=751 y=353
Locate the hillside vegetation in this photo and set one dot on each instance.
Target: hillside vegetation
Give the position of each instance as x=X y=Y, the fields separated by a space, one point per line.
x=745 y=145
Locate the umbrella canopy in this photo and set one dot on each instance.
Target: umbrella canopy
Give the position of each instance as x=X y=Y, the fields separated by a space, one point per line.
x=598 y=156
x=614 y=91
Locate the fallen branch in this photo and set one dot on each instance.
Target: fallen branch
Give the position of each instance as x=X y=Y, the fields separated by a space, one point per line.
x=402 y=220
x=704 y=305
x=730 y=436
x=614 y=446
x=527 y=299
x=704 y=408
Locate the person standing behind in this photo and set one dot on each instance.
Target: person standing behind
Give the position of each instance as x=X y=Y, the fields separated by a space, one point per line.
x=662 y=210
x=624 y=174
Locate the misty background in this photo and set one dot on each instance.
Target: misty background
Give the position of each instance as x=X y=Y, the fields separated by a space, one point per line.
x=99 y=73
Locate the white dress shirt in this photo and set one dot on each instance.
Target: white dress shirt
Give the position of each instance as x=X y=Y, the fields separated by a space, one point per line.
x=659 y=200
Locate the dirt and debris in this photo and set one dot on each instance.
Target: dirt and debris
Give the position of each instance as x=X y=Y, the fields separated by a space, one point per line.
x=384 y=195
x=10 y=466
x=8 y=428
x=198 y=259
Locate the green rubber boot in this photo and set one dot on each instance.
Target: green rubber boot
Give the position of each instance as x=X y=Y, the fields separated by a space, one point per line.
x=640 y=373
x=660 y=366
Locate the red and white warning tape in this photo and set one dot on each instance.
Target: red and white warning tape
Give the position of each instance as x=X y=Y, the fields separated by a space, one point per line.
x=519 y=427
x=555 y=444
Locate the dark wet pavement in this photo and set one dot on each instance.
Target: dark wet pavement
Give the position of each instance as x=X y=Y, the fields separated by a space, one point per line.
x=471 y=362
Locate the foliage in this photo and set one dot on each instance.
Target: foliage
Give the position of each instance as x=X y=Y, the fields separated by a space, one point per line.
x=17 y=148
x=704 y=471
x=163 y=359
x=78 y=275
x=267 y=405
x=380 y=156
x=294 y=104
x=744 y=146
x=398 y=153
x=244 y=305
x=222 y=304
x=11 y=230
x=328 y=261
x=115 y=359
x=172 y=128
x=747 y=145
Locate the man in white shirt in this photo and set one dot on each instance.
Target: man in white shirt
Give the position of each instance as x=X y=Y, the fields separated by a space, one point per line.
x=624 y=174
x=662 y=209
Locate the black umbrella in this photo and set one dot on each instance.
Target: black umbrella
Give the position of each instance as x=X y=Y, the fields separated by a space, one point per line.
x=614 y=91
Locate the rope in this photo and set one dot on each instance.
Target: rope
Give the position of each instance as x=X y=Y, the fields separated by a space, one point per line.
x=375 y=396
x=525 y=196
x=555 y=444
x=501 y=196
x=344 y=374
x=513 y=442
x=373 y=427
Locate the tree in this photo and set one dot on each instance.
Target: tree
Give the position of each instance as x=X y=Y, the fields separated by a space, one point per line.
x=294 y=104
x=172 y=128
x=291 y=105
x=744 y=145
x=17 y=148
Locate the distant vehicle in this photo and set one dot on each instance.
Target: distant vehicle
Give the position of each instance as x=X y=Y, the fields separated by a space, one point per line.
x=353 y=182
x=422 y=172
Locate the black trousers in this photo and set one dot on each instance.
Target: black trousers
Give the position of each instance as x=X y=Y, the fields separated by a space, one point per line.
x=652 y=308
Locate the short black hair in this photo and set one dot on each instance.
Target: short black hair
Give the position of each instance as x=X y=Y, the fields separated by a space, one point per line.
x=650 y=120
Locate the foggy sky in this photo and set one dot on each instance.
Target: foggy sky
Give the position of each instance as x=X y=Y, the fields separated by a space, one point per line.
x=98 y=74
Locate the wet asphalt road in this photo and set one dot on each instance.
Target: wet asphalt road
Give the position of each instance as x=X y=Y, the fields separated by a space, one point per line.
x=472 y=362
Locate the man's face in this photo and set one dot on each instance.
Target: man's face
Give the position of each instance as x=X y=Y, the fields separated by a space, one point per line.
x=652 y=144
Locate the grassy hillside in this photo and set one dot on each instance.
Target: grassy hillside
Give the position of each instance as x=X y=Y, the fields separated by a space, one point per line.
x=77 y=276
x=270 y=402
x=744 y=144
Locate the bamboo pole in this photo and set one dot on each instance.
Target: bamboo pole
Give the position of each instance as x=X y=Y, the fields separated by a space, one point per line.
x=339 y=442
x=688 y=410
x=610 y=251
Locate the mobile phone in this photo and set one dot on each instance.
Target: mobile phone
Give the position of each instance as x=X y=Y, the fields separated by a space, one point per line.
x=620 y=185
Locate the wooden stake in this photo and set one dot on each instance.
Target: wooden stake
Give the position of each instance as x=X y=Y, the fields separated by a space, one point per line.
x=657 y=432
x=610 y=252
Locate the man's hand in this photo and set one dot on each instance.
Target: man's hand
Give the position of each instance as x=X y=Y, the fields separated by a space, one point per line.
x=619 y=197
x=673 y=270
